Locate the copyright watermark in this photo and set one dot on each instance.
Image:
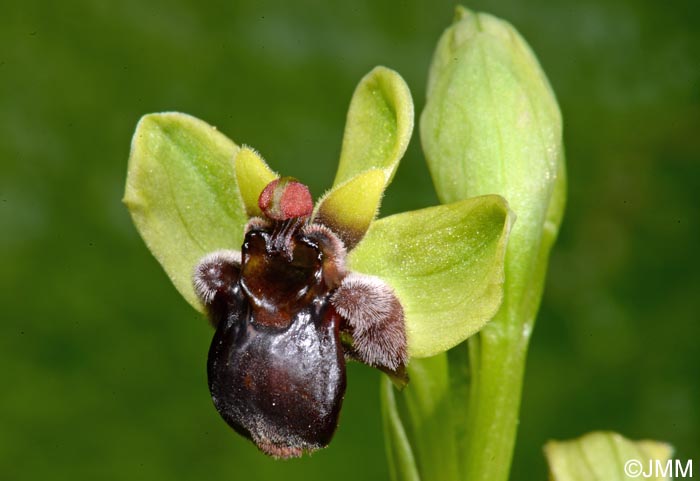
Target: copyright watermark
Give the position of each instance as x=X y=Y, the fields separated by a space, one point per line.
x=656 y=468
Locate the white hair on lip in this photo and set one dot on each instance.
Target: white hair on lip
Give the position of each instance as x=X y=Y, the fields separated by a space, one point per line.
x=207 y=273
x=376 y=317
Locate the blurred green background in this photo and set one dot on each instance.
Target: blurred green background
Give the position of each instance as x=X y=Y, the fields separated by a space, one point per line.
x=103 y=364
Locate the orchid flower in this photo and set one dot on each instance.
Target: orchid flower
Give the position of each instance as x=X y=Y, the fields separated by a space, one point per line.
x=294 y=289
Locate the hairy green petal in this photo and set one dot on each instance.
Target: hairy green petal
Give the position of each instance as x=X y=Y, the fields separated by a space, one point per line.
x=602 y=456
x=349 y=208
x=252 y=175
x=445 y=264
x=182 y=194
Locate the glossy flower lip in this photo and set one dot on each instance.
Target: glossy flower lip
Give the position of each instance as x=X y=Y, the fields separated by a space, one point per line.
x=191 y=190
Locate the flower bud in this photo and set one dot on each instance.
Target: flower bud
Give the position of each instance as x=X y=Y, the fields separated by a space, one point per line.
x=491 y=124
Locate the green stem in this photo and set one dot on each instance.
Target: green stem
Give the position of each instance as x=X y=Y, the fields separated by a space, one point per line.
x=497 y=357
x=494 y=402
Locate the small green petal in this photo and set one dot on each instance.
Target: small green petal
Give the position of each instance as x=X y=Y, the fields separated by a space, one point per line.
x=252 y=175
x=445 y=264
x=378 y=126
x=605 y=456
x=349 y=208
x=182 y=194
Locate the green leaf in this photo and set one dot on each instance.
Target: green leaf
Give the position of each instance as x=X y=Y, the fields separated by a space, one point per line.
x=378 y=126
x=606 y=456
x=252 y=175
x=445 y=264
x=182 y=194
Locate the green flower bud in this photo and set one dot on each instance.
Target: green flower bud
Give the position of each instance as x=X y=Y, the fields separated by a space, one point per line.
x=491 y=125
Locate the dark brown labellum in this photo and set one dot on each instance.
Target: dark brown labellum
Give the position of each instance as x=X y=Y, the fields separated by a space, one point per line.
x=276 y=364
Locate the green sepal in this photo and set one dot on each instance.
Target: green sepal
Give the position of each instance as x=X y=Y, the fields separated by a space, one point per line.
x=445 y=264
x=378 y=127
x=182 y=193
